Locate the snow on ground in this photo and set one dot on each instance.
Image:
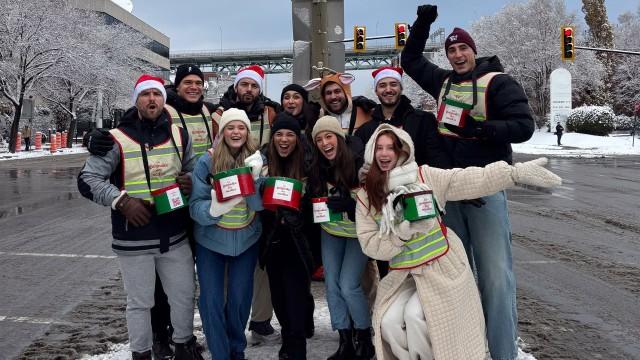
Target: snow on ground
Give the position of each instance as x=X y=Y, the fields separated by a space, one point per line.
x=323 y=343
x=76 y=149
x=579 y=145
x=541 y=143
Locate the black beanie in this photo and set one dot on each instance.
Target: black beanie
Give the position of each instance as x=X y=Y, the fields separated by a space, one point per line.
x=285 y=121
x=185 y=70
x=297 y=88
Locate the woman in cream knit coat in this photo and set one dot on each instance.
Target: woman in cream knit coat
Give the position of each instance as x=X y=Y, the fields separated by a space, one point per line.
x=428 y=306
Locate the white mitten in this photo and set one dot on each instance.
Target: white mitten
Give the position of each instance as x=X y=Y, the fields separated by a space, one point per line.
x=533 y=173
x=255 y=161
x=220 y=208
x=407 y=229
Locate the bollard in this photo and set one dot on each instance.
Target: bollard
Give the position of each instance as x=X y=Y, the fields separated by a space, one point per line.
x=58 y=141
x=18 y=141
x=53 y=147
x=38 y=142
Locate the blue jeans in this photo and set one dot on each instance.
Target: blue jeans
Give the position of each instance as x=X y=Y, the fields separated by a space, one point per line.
x=344 y=263
x=224 y=319
x=486 y=235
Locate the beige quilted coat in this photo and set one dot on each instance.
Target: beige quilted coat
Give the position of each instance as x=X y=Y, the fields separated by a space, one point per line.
x=446 y=287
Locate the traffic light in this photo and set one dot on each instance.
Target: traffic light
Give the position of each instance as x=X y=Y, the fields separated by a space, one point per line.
x=359 y=38
x=567 y=45
x=401 y=35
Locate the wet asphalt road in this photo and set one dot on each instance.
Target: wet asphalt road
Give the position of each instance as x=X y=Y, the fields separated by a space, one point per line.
x=576 y=255
x=43 y=215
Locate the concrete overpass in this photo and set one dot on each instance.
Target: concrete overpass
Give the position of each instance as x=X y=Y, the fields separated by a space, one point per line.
x=275 y=61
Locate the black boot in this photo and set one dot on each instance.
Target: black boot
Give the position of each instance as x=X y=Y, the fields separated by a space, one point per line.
x=345 y=348
x=188 y=350
x=161 y=348
x=141 y=356
x=364 y=346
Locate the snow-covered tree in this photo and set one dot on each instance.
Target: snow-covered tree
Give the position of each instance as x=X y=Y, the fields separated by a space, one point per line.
x=626 y=92
x=525 y=36
x=65 y=55
x=31 y=44
x=102 y=60
x=601 y=36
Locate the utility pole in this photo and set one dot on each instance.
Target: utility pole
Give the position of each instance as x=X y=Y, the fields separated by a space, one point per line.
x=319 y=44
x=318 y=31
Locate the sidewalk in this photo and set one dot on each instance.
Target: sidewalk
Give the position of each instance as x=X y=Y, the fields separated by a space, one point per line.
x=6 y=155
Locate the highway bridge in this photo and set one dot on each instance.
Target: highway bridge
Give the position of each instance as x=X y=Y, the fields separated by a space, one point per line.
x=280 y=60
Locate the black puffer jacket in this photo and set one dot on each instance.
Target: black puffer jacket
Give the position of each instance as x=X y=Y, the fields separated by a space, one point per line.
x=507 y=105
x=421 y=126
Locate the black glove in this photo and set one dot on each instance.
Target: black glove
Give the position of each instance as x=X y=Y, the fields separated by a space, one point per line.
x=291 y=218
x=184 y=181
x=427 y=13
x=475 y=202
x=341 y=204
x=364 y=103
x=100 y=142
x=473 y=129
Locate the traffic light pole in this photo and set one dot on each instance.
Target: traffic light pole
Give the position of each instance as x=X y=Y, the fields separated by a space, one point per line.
x=609 y=50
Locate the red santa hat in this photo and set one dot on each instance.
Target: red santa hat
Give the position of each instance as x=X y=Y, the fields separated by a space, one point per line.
x=146 y=82
x=253 y=72
x=386 y=72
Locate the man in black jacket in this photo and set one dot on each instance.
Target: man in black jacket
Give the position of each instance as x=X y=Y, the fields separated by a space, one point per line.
x=481 y=111
x=152 y=157
x=396 y=109
x=187 y=109
x=246 y=94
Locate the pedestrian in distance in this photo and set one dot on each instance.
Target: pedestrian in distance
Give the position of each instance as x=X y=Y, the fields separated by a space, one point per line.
x=145 y=178
x=481 y=111
x=334 y=177
x=559 y=131
x=26 y=135
x=428 y=306
x=226 y=234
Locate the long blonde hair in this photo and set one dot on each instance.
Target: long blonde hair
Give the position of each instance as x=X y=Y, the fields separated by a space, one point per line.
x=224 y=159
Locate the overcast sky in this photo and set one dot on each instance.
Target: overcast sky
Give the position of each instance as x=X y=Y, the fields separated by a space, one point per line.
x=214 y=24
x=210 y=24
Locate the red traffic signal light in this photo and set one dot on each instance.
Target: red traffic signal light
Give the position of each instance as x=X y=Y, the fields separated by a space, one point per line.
x=359 y=38
x=567 y=46
x=401 y=33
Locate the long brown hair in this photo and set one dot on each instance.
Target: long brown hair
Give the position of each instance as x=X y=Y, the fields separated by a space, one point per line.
x=376 y=183
x=341 y=172
x=292 y=166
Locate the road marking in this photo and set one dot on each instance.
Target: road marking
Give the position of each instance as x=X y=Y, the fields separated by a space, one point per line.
x=9 y=253
x=538 y=262
x=30 y=320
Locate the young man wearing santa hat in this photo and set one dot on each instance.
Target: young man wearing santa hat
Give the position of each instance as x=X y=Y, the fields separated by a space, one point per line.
x=150 y=163
x=396 y=109
x=481 y=111
x=247 y=93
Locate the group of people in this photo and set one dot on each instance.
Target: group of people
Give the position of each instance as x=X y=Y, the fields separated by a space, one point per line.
x=396 y=287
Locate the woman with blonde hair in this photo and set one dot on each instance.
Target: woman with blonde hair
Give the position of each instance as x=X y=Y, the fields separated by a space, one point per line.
x=226 y=234
x=428 y=306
